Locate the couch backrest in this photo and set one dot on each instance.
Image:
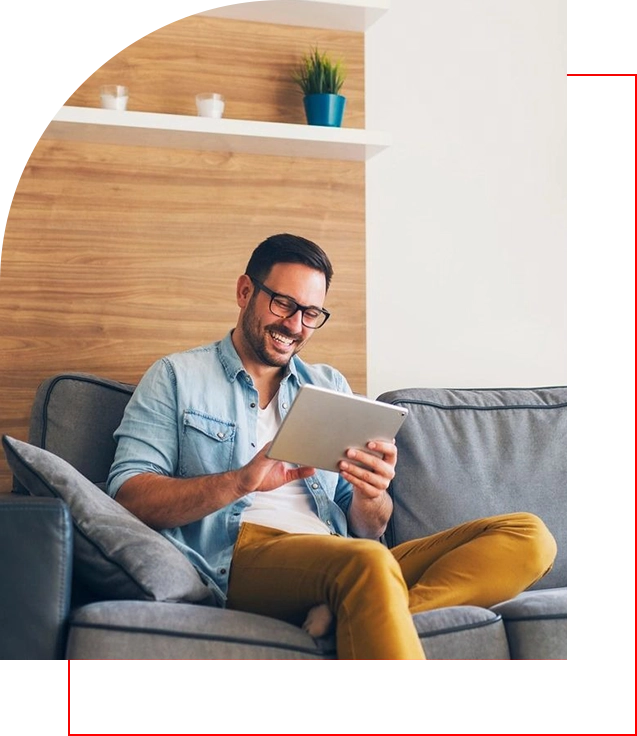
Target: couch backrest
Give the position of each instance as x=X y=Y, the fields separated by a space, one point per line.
x=74 y=416
x=465 y=454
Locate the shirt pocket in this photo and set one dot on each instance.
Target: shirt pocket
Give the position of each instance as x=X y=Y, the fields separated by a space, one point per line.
x=207 y=445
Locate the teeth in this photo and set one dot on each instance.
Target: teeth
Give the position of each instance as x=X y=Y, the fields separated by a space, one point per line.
x=281 y=338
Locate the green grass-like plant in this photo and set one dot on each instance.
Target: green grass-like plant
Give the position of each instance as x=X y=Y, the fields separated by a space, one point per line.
x=318 y=74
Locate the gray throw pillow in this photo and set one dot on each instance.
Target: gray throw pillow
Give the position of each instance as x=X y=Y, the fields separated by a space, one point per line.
x=115 y=554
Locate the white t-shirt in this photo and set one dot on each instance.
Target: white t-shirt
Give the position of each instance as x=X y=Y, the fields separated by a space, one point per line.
x=290 y=507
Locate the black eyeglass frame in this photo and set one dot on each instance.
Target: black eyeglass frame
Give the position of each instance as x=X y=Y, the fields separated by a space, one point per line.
x=274 y=295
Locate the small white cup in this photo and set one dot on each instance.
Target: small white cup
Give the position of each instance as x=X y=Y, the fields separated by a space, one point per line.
x=114 y=97
x=210 y=105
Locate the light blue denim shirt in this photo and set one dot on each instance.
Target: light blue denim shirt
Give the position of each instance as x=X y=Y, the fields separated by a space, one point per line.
x=195 y=413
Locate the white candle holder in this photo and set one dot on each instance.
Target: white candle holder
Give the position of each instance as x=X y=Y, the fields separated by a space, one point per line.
x=210 y=105
x=114 y=97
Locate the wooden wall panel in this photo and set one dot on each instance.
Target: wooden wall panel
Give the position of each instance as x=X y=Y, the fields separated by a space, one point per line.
x=114 y=256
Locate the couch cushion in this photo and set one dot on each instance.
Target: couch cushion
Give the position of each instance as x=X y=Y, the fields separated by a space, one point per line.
x=535 y=622
x=115 y=554
x=132 y=630
x=462 y=632
x=136 y=630
x=468 y=453
x=74 y=416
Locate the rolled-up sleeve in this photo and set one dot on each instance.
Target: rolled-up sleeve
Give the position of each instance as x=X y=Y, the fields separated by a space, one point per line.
x=148 y=437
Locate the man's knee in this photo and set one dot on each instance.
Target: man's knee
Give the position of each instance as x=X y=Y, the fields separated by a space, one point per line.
x=540 y=547
x=373 y=558
x=369 y=577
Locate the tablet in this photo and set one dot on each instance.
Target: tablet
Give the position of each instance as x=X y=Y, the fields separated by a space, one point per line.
x=323 y=424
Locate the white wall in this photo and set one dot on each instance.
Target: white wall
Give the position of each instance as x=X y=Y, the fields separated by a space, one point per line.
x=466 y=221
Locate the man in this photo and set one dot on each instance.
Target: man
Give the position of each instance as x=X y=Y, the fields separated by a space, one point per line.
x=279 y=540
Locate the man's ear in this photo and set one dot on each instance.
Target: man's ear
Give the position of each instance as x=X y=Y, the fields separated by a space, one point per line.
x=244 y=290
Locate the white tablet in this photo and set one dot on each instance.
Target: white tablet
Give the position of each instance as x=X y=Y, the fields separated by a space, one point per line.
x=323 y=424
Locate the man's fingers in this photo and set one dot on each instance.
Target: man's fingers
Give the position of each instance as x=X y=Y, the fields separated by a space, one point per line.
x=363 y=476
x=300 y=472
x=371 y=468
x=388 y=450
x=367 y=489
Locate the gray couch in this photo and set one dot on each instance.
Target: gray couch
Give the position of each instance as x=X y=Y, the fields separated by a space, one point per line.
x=82 y=578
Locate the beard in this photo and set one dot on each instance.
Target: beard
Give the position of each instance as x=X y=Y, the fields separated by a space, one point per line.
x=260 y=342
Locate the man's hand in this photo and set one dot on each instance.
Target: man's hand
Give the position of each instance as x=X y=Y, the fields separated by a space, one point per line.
x=264 y=474
x=371 y=505
x=376 y=473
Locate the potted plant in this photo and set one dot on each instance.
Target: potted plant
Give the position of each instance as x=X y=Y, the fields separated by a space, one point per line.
x=320 y=80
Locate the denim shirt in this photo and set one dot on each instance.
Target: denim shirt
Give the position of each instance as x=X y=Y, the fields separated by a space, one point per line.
x=195 y=413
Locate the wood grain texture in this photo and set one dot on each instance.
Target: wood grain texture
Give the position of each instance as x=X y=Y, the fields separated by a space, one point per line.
x=249 y=63
x=115 y=256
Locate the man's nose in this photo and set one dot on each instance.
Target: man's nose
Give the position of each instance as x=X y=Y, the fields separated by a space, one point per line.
x=295 y=321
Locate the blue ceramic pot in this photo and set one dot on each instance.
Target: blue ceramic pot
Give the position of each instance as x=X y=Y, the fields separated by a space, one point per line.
x=324 y=109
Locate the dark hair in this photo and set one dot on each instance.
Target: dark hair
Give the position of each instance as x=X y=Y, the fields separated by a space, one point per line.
x=285 y=248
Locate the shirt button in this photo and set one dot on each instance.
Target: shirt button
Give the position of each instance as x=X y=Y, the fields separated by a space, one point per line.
x=328 y=522
x=315 y=486
x=221 y=435
x=223 y=571
x=284 y=405
x=252 y=405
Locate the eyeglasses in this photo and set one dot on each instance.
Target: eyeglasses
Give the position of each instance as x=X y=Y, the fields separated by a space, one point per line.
x=284 y=306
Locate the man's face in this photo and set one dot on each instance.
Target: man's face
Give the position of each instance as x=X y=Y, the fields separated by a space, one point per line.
x=274 y=340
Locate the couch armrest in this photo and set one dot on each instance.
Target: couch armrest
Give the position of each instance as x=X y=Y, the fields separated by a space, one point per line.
x=35 y=576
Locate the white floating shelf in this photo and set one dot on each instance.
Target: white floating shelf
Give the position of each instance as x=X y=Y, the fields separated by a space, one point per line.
x=348 y=15
x=129 y=128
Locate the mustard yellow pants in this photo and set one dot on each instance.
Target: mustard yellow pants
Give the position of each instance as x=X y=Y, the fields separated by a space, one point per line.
x=373 y=591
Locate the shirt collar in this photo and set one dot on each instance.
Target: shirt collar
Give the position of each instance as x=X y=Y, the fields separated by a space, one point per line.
x=229 y=357
x=233 y=366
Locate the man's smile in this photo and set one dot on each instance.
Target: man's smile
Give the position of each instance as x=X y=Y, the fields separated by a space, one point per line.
x=280 y=338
